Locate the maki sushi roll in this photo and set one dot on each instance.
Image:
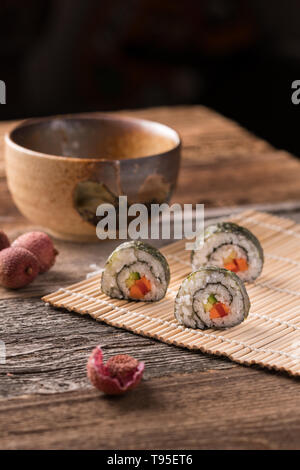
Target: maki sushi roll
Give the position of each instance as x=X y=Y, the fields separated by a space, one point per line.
x=212 y=298
x=136 y=271
x=230 y=246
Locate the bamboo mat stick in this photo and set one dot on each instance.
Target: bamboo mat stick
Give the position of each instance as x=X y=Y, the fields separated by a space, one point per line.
x=270 y=337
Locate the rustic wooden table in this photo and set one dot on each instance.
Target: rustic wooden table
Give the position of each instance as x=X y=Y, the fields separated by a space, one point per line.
x=187 y=400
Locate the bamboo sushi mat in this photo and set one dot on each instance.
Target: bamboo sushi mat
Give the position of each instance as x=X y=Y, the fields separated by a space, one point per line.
x=270 y=337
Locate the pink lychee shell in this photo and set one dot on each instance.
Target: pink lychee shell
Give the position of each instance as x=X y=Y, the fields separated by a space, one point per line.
x=99 y=375
x=41 y=245
x=18 y=267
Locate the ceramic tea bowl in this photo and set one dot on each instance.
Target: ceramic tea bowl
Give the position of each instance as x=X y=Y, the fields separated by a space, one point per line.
x=60 y=169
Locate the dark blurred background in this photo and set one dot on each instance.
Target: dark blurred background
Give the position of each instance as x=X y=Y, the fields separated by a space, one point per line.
x=236 y=56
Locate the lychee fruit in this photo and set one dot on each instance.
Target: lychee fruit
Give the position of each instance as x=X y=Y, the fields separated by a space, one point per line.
x=120 y=374
x=18 y=267
x=4 y=241
x=41 y=245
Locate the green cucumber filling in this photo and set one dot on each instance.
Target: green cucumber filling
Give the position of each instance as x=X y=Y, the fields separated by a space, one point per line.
x=132 y=278
x=210 y=302
x=212 y=299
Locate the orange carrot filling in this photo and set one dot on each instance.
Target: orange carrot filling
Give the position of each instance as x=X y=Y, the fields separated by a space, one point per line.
x=218 y=310
x=231 y=267
x=140 y=288
x=242 y=264
x=236 y=265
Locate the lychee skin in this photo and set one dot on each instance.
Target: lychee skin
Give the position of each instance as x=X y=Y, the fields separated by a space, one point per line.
x=18 y=267
x=41 y=245
x=120 y=374
x=4 y=241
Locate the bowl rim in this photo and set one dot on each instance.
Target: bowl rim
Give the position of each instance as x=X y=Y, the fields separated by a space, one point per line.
x=9 y=141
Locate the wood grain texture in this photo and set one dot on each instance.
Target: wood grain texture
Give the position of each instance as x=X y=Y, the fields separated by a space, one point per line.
x=178 y=405
x=47 y=350
x=225 y=165
x=229 y=409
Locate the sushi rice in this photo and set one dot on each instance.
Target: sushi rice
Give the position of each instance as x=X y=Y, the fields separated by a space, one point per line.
x=228 y=245
x=211 y=297
x=136 y=271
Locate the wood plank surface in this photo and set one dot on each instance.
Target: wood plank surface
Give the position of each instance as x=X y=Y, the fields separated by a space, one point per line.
x=47 y=350
x=226 y=409
x=45 y=398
